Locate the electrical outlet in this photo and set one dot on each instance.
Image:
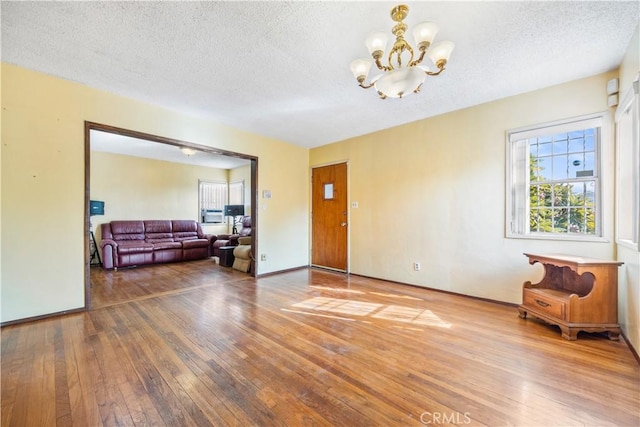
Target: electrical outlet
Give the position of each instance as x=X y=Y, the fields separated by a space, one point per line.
x=416 y=266
x=263 y=257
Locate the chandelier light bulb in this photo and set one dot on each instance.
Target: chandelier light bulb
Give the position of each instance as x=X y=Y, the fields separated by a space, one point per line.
x=425 y=32
x=360 y=68
x=376 y=42
x=441 y=51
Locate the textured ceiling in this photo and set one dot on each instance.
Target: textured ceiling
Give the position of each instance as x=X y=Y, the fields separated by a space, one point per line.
x=281 y=69
x=128 y=146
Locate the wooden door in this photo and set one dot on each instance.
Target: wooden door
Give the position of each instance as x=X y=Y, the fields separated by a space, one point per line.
x=329 y=217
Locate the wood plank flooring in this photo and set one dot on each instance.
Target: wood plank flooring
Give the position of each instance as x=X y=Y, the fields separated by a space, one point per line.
x=195 y=344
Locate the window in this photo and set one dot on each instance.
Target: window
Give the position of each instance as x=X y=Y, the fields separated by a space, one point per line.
x=212 y=198
x=628 y=170
x=236 y=193
x=553 y=186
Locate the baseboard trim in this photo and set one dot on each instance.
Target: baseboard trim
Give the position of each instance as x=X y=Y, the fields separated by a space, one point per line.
x=273 y=273
x=41 y=317
x=633 y=350
x=495 y=301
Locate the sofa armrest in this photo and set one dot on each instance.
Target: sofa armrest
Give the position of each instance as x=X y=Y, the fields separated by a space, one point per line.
x=223 y=236
x=109 y=248
x=233 y=239
x=210 y=239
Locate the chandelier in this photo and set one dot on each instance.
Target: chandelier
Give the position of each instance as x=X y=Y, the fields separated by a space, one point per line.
x=398 y=79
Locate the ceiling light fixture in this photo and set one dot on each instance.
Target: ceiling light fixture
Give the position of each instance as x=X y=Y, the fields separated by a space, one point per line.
x=188 y=151
x=399 y=80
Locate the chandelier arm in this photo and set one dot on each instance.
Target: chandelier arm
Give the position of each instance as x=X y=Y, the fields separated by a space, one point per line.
x=419 y=60
x=382 y=67
x=441 y=64
x=431 y=73
x=362 y=85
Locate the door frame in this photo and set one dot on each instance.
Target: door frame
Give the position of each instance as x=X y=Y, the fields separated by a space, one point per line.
x=337 y=162
x=89 y=126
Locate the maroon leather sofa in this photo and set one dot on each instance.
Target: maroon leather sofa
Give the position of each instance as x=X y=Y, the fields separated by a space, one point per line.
x=129 y=243
x=232 y=239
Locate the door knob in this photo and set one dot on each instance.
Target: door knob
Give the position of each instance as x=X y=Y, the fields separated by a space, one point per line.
x=343 y=224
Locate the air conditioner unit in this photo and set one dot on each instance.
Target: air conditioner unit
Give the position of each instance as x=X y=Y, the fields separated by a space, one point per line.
x=212 y=216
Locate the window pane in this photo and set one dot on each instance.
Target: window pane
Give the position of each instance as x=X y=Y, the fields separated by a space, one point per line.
x=576 y=134
x=560 y=220
x=589 y=139
x=576 y=220
x=577 y=194
x=560 y=167
x=561 y=195
x=560 y=143
x=542 y=139
x=545 y=195
x=534 y=196
x=590 y=217
x=545 y=220
x=576 y=163
x=590 y=193
x=589 y=161
x=544 y=169
x=544 y=149
x=576 y=145
x=533 y=220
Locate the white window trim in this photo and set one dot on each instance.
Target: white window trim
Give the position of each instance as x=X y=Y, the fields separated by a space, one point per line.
x=630 y=104
x=516 y=186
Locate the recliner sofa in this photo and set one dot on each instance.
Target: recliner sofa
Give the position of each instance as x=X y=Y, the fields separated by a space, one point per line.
x=130 y=243
x=232 y=239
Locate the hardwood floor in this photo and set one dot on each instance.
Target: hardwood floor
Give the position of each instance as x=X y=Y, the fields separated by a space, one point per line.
x=196 y=344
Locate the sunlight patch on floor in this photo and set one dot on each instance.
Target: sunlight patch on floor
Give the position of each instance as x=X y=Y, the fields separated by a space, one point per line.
x=410 y=315
x=318 y=315
x=326 y=288
x=337 y=305
x=396 y=313
x=397 y=296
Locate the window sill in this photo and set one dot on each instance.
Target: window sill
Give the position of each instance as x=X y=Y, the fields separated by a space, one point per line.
x=560 y=238
x=635 y=246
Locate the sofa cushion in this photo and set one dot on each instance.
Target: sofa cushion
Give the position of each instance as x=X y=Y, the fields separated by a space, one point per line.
x=127 y=230
x=184 y=230
x=159 y=237
x=195 y=243
x=157 y=226
x=158 y=246
x=134 y=247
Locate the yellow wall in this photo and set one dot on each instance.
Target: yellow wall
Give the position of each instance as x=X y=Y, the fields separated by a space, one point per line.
x=148 y=189
x=43 y=203
x=433 y=191
x=629 y=282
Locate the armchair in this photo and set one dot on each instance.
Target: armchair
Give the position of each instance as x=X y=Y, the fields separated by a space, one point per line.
x=232 y=239
x=242 y=255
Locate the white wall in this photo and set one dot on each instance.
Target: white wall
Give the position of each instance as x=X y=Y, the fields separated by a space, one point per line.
x=433 y=191
x=629 y=277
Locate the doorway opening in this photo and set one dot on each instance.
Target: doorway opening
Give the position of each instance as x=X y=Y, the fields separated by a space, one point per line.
x=155 y=147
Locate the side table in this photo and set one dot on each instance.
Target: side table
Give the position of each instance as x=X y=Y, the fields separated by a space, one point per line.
x=576 y=293
x=226 y=256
